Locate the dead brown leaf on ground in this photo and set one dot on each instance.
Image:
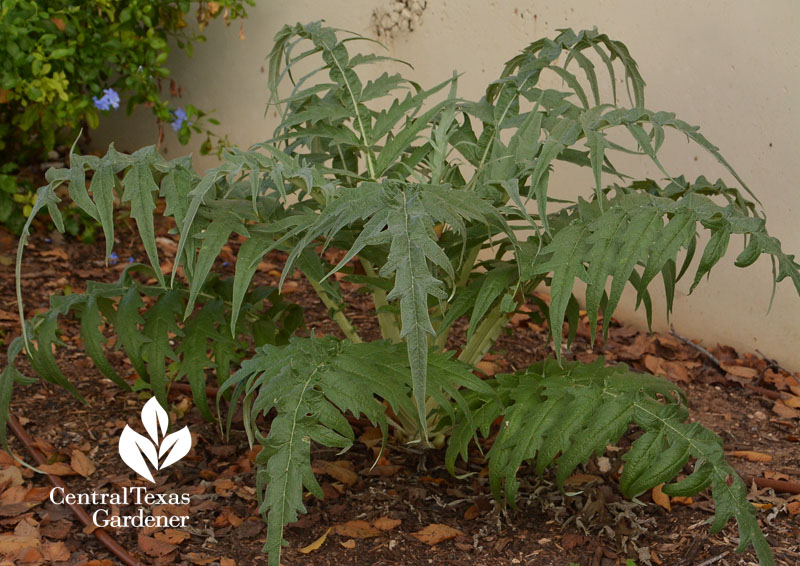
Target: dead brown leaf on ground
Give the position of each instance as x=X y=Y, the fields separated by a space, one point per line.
x=751 y=456
x=356 y=529
x=661 y=498
x=317 y=544
x=58 y=469
x=784 y=411
x=13 y=543
x=81 y=463
x=386 y=524
x=436 y=533
x=341 y=470
x=154 y=547
x=55 y=552
x=172 y=536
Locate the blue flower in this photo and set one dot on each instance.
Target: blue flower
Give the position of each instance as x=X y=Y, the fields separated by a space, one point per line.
x=109 y=100
x=180 y=117
x=113 y=258
x=101 y=103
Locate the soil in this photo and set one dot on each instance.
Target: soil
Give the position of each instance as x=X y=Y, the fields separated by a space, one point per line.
x=590 y=524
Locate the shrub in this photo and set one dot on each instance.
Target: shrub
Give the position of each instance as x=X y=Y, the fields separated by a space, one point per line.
x=65 y=64
x=413 y=190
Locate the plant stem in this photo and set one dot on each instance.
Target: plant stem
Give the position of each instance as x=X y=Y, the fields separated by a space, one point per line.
x=485 y=335
x=469 y=264
x=441 y=340
x=461 y=280
x=337 y=314
x=387 y=321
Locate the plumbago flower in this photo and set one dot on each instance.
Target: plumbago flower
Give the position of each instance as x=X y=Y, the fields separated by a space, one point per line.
x=109 y=100
x=170 y=447
x=180 y=117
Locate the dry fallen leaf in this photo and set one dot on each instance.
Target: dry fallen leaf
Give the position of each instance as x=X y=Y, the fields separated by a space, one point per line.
x=27 y=527
x=604 y=464
x=385 y=523
x=751 y=456
x=672 y=370
x=489 y=368
x=10 y=477
x=81 y=463
x=784 y=411
x=341 y=471
x=740 y=371
x=37 y=494
x=224 y=486
x=28 y=556
x=793 y=507
x=227 y=517
x=13 y=494
x=199 y=558
x=654 y=557
x=578 y=479
x=12 y=543
x=55 y=552
x=653 y=365
x=227 y=562
x=289 y=287
x=356 y=529
x=661 y=498
x=349 y=544
x=58 y=469
x=436 y=533
x=172 y=536
x=155 y=547
x=16 y=509
x=317 y=543
x=55 y=252
x=371 y=437
x=792 y=401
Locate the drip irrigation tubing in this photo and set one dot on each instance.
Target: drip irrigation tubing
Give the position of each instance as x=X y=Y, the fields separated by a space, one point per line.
x=112 y=545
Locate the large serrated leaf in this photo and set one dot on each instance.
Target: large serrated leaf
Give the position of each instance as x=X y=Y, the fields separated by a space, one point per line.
x=566 y=259
x=138 y=188
x=200 y=333
x=93 y=341
x=213 y=237
x=160 y=325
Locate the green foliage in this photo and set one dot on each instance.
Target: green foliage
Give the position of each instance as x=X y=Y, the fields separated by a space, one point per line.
x=572 y=411
x=59 y=56
x=310 y=384
x=443 y=208
x=166 y=333
x=16 y=198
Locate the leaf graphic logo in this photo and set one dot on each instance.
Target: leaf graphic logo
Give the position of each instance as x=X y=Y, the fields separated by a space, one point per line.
x=137 y=450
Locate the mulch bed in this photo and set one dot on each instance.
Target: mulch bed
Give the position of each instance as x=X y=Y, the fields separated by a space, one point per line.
x=375 y=514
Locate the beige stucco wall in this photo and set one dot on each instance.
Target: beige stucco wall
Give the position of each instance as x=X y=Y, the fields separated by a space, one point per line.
x=731 y=66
